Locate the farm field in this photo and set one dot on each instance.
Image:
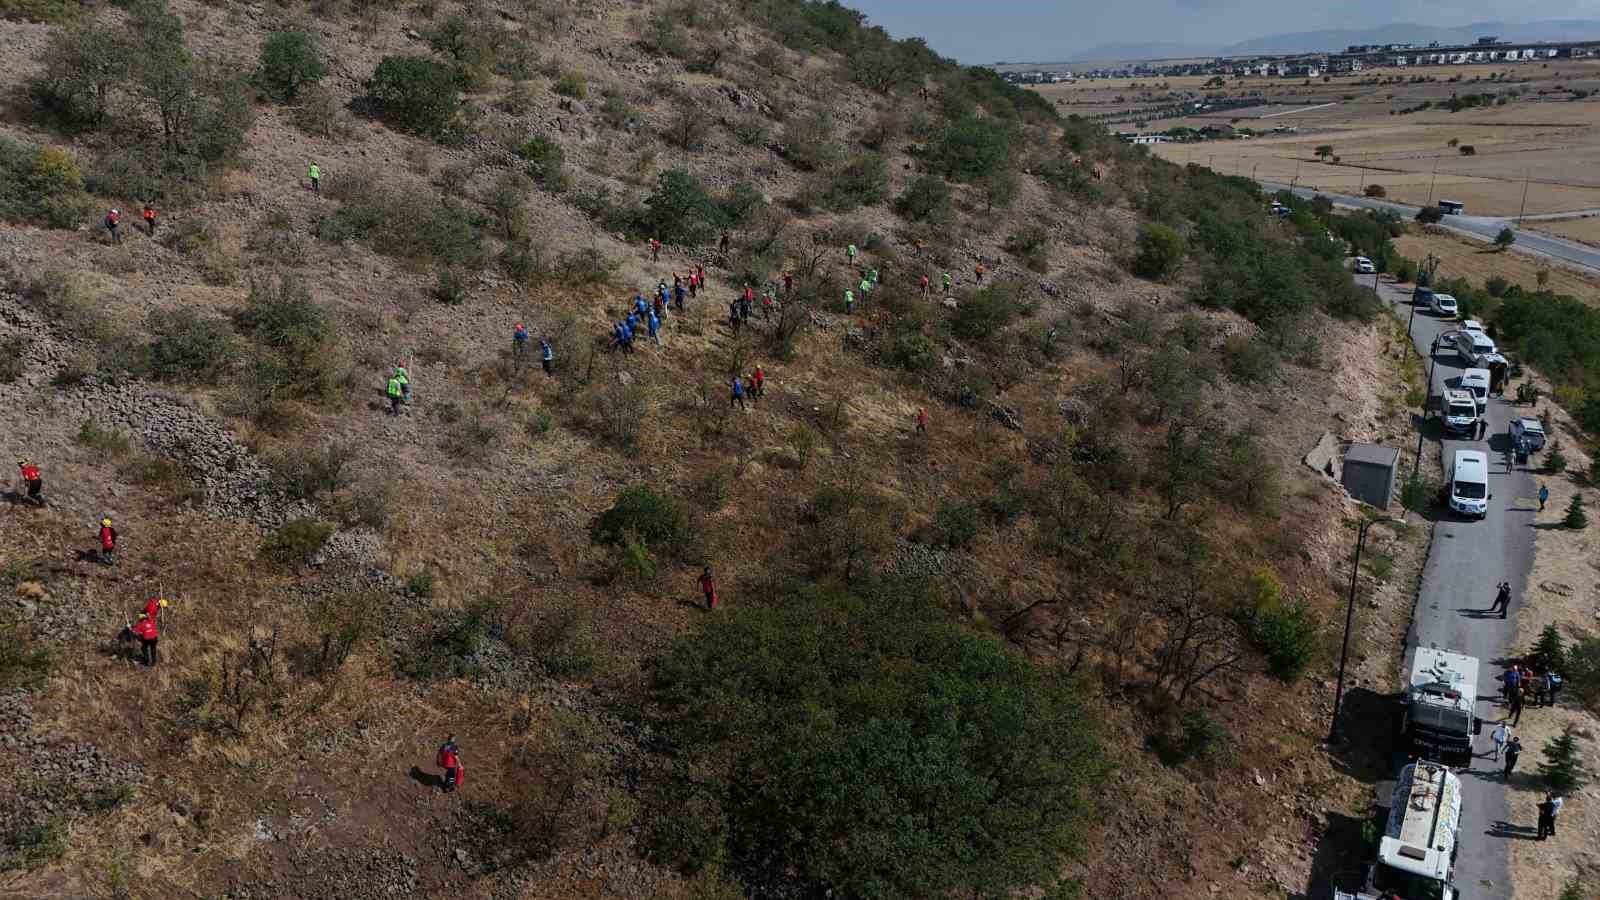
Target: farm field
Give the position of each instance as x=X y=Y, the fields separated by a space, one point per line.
x=1476 y=261
x=1543 y=141
x=1585 y=230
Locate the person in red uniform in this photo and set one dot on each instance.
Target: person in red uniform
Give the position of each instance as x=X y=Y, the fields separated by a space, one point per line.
x=450 y=761
x=758 y=382
x=108 y=542
x=154 y=606
x=922 y=419
x=31 y=478
x=922 y=285
x=788 y=283
x=708 y=586
x=145 y=631
x=150 y=218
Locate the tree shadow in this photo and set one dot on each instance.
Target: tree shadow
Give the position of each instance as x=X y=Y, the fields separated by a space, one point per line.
x=1369 y=721
x=1340 y=855
x=426 y=779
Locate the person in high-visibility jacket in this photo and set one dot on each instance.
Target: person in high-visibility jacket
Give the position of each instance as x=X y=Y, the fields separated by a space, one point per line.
x=147 y=633
x=449 y=759
x=405 y=381
x=314 y=172
x=108 y=543
x=395 y=397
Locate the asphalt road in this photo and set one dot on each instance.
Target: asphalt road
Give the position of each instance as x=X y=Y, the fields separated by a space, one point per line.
x=1467 y=559
x=1480 y=227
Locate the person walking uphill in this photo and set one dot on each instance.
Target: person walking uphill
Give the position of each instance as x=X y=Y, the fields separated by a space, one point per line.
x=449 y=759
x=405 y=381
x=547 y=357
x=314 y=172
x=108 y=543
x=519 y=340
x=32 y=480
x=113 y=218
x=149 y=635
x=708 y=586
x=738 y=393
x=850 y=252
x=395 y=397
x=150 y=219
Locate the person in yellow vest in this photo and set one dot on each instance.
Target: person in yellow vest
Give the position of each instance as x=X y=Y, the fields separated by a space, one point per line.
x=395 y=397
x=405 y=381
x=314 y=172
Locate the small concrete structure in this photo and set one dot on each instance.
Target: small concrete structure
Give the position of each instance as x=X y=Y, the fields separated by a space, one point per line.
x=1370 y=472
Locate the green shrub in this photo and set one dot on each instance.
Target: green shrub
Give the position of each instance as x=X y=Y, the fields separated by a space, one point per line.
x=571 y=84
x=870 y=715
x=862 y=180
x=1563 y=770
x=970 y=148
x=1031 y=245
x=986 y=311
x=544 y=157
x=1195 y=735
x=296 y=337
x=450 y=287
x=297 y=542
x=48 y=12
x=655 y=518
x=454 y=650
x=415 y=94
x=565 y=644
x=955 y=525
x=309 y=474
x=808 y=144
x=1576 y=518
x=1550 y=651
x=289 y=64
x=1430 y=215
x=13 y=357
x=34 y=844
x=1285 y=632
x=1248 y=360
x=105 y=439
x=420 y=584
x=1160 y=250
x=405 y=224
x=43 y=186
x=928 y=197
x=681 y=211
x=187 y=346
x=24 y=663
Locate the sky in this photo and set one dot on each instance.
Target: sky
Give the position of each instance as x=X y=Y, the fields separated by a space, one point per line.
x=985 y=31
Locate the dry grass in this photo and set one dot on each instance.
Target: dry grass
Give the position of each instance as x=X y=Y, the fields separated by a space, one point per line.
x=1477 y=262
x=1584 y=230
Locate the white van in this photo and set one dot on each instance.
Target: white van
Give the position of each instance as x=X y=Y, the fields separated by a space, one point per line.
x=1473 y=347
x=1469 y=483
x=1460 y=412
x=1476 y=382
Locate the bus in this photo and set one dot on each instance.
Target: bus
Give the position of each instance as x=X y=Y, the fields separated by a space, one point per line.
x=1452 y=207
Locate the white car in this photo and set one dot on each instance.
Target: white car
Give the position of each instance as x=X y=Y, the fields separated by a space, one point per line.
x=1364 y=266
x=1444 y=306
x=1472 y=325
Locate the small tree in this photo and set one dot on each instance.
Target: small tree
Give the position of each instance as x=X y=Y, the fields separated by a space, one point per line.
x=1563 y=770
x=1376 y=190
x=1418 y=493
x=1550 y=651
x=1542 y=278
x=1160 y=250
x=1505 y=238
x=289 y=63
x=1468 y=150
x=1430 y=215
x=1555 y=460
x=1323 y=151
x=1576 y=517
x=416 y=94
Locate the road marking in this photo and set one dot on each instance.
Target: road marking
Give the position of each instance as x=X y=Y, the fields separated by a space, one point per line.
x=1290 y=112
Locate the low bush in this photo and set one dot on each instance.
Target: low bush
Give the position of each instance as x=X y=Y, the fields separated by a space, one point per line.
x=984 y=312
x=13 y=357
x=107 y=440
x=23 y=663
x=1285 y=632
x=455 y=649
x=1160 y=250
x=1376 y=190
x=656 y=518
x=416 y=94
x=1031 y=245
x=955 y=525
x=862 y=180
x=41 y=185
x=928 y=197
x=290 y=64
x=545 y=159
x=187 y=347
x=296 y=542
x=1195 y=735
x=406 y=225
x=573 y=85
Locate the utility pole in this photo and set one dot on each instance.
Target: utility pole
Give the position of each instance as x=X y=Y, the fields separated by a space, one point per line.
x=1349 y=614
x=1524 y=198
x=1295 y=183
x=1433 y=180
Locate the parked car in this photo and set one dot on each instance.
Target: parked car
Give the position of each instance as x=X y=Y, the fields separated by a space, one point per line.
x=1422 y=296
x=1472 y=325
x=1444 y=306
x=1474 y=349
x=1364 y=266
x=1529 y=429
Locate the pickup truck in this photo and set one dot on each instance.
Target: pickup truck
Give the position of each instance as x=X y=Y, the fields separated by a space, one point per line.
x=1529 y=429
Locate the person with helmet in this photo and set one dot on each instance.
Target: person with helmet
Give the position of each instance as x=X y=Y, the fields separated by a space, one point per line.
x=112 y=218
x=405 y=381
x=519 y=340
x=395 y=397
x=150 y=218
x=154 y=606
x=449 y=759
x=758 y=382
x=147 y=633
x=314 y=172
x=655 y=249
x=108 y=543
x=31 y=478
x=548 y=355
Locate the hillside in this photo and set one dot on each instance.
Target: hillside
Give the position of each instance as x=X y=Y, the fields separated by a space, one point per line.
x=1074 y=635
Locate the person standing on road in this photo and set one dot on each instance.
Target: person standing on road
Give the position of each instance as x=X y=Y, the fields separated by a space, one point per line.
x=1513 y=750
x=1499 y=736
x=1502 y=601
x=1544 y=496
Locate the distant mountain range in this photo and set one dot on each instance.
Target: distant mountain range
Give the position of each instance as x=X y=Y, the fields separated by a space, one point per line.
x=1340 y=38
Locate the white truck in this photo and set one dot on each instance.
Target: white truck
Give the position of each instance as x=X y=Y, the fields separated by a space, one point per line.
x=1417 y=853
x=1440 y=703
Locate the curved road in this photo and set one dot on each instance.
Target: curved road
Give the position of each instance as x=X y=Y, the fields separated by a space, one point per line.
x=1481 y=227
x=1465 y=562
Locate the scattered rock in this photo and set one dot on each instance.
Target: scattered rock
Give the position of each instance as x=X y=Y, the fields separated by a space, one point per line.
x=1555 y=587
